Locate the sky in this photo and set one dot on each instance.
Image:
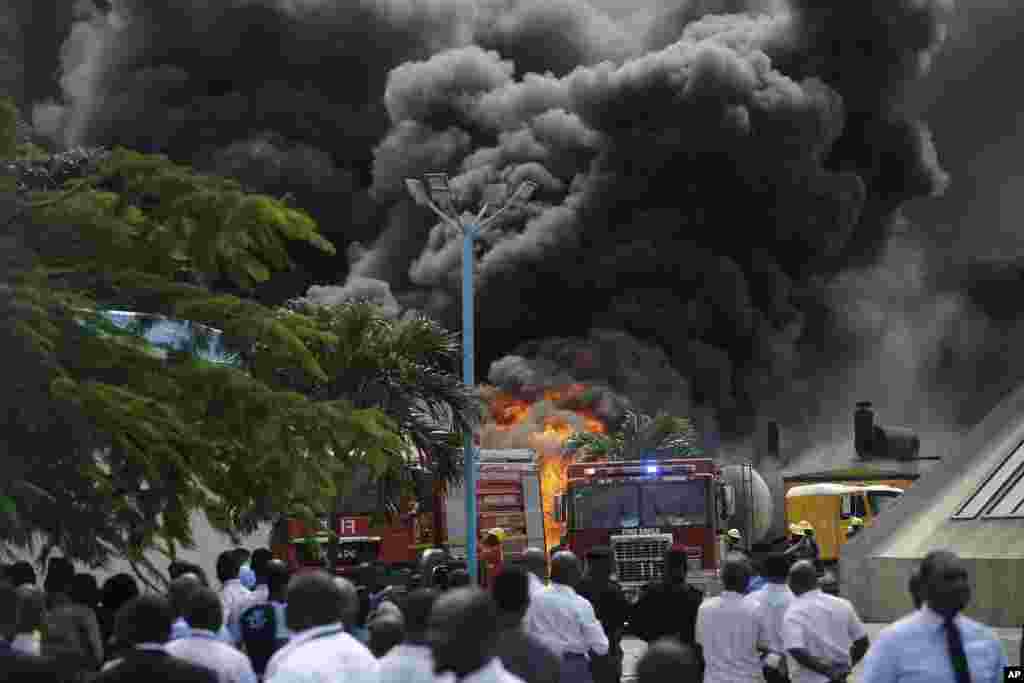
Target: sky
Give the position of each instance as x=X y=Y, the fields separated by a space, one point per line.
x=754 y=196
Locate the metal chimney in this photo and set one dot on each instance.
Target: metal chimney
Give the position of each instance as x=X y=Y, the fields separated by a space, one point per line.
x=863 y=429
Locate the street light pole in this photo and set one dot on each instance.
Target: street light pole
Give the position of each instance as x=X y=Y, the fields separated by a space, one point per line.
x=471 y=231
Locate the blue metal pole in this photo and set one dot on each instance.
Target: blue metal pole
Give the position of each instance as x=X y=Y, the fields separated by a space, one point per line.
x=468 y=237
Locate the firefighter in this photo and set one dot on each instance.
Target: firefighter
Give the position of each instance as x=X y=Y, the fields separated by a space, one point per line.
x=612 y=610
x=492 y=554
x=856 y=526
x=796 y=534
x=806 y=548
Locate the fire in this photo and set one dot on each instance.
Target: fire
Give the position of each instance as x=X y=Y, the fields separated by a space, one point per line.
x=549 y=435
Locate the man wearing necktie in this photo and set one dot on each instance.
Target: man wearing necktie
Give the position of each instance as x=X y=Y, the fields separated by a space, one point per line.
x=936 y=642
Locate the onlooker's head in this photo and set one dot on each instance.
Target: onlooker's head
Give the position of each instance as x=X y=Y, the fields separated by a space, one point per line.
x=203 y=610
x=355 y=602
x=261 y=557
x=830 y=583
x=667 y=661
x=21 y=574
x=118 y=590
x=145 y=619
x=463 y=631
x=85 y=590
x=735 y=575
x=459 y=578
x=418 y=606
x=944 y=583
x=675 y=565
x=565 y=569
x=176 y=569
x=278 y=577
x=198 y=571
x=59 y=575
x=386 y=631
x=600 y=563
x=536 y=562
x=775 y=568
x=228 y=566
x=31 y=609
x=314 y=599
x=512 y=595
x=8 y=610
x=180 y=592
x=914 y=587
x=803 y=577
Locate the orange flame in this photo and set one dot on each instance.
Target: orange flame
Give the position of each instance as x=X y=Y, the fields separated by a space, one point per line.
x=509 y=411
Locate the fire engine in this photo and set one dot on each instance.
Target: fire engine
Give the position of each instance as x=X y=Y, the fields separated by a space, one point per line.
x=508 y=497
x=642 y=508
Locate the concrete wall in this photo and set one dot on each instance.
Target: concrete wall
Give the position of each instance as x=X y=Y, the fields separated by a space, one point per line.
x=876 y=565
x=880 y=592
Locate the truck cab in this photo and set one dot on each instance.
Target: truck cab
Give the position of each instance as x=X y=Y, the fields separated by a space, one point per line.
x=640 y=510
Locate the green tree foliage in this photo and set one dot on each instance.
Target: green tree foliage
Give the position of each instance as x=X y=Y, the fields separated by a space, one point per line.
x=109 y=448
x=638 y=434
x=403 y=367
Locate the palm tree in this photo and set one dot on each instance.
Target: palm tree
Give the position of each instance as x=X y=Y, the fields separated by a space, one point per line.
x=404 y=367
x=637 y=434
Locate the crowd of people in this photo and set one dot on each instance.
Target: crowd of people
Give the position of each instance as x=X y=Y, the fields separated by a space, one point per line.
x=547 y=619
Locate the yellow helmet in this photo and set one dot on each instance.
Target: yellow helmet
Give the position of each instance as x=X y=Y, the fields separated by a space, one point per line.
x=795 y=529
x=734 y=533
x=856 y=521
x=805 y=526
x=498 y=533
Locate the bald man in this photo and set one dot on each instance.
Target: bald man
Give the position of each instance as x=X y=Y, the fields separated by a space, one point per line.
x=821 y=633
x=536 y=562
x=566 y=622
x=320 y=648
x=668 y=661
x=463 y=636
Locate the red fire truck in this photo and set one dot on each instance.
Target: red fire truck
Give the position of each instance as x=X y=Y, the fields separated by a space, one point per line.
x=641 y=508
x=508 y=497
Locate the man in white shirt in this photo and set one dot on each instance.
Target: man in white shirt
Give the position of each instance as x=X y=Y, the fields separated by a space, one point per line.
x=727 y=630
x=463 y=637
x=566 y=622
x=935 y=642
x=202 y=645
x=821 y=633
x=233 y=595
x=536 y=562
x=770 y=604
x=412 y=661
x=320 y=649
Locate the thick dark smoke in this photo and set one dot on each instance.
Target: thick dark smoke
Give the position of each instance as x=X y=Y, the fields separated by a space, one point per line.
x=703 y=176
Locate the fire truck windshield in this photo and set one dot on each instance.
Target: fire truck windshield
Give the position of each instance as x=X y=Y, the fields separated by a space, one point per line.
x=631 y=505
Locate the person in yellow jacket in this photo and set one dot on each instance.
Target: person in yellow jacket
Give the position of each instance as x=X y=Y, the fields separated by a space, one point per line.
x=856 y=526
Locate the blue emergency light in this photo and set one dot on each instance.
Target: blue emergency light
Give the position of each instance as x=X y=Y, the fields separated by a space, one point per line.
x=652 y=469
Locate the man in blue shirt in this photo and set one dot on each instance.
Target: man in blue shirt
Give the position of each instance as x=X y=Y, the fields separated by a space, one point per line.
x=936 y=644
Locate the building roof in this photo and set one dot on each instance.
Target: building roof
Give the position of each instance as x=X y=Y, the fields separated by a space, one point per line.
x=972 y=504
x=851 y=474
x=821 y=490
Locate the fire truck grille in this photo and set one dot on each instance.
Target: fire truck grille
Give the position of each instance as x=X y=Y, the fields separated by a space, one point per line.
x=639 y=559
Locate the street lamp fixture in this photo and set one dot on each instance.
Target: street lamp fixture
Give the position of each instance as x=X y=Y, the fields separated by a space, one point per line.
x=436 y=195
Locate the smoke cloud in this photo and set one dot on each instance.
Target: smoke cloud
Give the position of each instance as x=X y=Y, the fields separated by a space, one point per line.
x=705 y=172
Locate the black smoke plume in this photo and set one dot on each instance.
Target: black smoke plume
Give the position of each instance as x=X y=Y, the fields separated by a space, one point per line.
x=702 y=177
